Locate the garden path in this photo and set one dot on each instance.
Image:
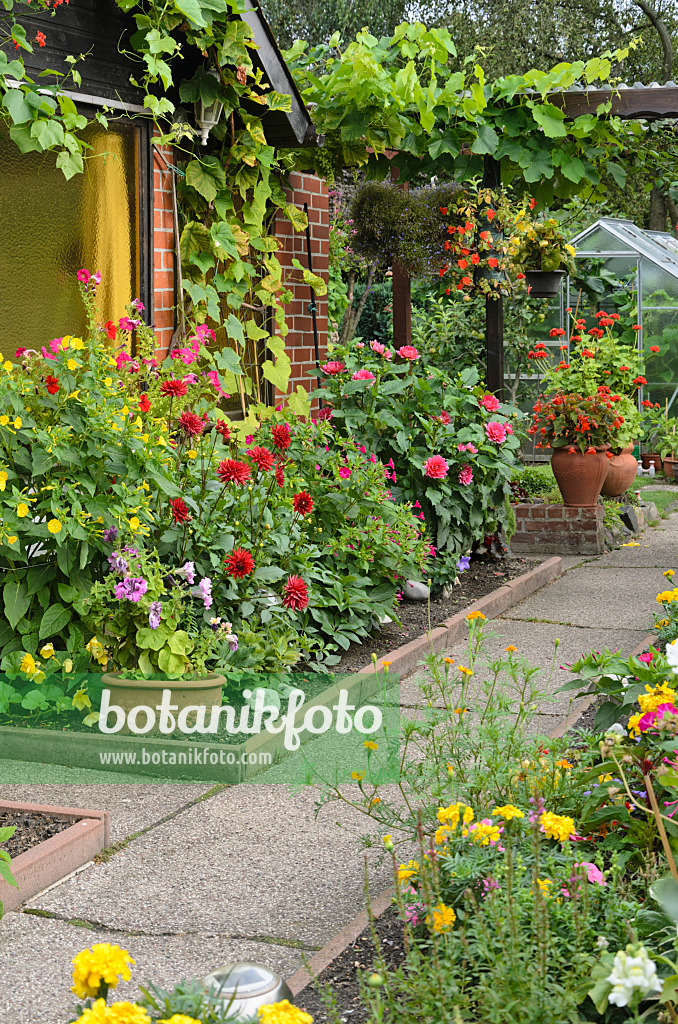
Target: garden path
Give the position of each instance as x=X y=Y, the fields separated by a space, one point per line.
x=202 y=876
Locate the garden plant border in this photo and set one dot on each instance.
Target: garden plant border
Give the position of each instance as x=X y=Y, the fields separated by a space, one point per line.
x=54 y=858
x=82 y=750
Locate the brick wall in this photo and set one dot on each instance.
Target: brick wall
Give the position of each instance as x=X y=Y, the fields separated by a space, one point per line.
x=163 y=245
x=558 y=530
x=305 y=188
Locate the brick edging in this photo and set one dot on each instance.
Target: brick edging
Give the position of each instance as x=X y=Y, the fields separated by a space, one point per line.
x=406 y=658
x=54 y=858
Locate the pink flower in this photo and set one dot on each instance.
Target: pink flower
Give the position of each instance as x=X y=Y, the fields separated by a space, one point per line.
x=652 y=719
x=490 y=402
x=465 y=476
x=213 y=378
x=408 y=352
x=495 y=431
x=509 y=428
x=205 y=334
x=56 y=344
x=19 y=352
x=593 y=873
x=435 y=468
x=444 y=417
x=376 y=346
x=360 y=344
x=126 y=324
x=344 y=472
x=45 y=353
x=121 y=359
x=333 y=367
x=363 y=375
x=83 y=275
x=186 y=355
x=647 y=657
x=373 y=458
x=388 y=354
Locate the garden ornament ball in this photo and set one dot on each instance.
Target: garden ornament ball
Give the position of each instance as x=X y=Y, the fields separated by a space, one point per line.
x=244 y=987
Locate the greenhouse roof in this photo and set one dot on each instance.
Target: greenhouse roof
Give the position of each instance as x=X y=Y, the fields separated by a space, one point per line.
x=659 y=247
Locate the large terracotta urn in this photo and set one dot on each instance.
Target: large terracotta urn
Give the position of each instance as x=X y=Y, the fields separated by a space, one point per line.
x=580 y=477
x=622 y=470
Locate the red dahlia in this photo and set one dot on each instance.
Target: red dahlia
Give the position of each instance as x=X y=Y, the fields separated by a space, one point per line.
x=239 y=563
x=191 y=424
x=222 y=428
x=296 y=594
x=52 y=384
x=303 y=503
x=144 y=403
x=173 y=388
x=230 y=471
x=179 y=509
x=279 y=474
x=261 y=457
x=281 y=436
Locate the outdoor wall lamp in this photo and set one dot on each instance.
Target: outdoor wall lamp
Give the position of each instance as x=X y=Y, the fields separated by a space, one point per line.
x=207 y=114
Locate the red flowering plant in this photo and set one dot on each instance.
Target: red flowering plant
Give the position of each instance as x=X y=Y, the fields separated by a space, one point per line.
x=476 y=255
x=577 y=422
x=448 y=447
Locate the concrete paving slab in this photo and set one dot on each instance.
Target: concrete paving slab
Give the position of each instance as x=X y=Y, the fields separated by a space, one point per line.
x=250 y=861
x=591 y=598
x=36 y=954
x=658 y=548
x=132 y=806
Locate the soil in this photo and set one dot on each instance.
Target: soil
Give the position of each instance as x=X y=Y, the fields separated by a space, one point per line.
x=31 y=829
x=479 y=579
x=342 y=974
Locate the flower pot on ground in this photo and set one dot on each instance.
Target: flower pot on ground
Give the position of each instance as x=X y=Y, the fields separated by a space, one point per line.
x=185 y=693
x=648 y=459
x=621 y=472
x=544 y=284
x=579 y=475
x=670 y=464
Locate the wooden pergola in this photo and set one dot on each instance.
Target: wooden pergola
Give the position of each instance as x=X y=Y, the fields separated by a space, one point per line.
x=631 y=103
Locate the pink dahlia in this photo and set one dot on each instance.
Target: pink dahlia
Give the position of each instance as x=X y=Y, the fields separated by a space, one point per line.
x=465 y=476
x=376 y=346
x=495 y=431
x=490 y=402
x=408 y=352
x=435 y=467
x=334 y=366
x=363 y=375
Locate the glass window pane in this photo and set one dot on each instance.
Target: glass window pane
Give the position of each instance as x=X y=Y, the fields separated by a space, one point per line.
x=52 y=227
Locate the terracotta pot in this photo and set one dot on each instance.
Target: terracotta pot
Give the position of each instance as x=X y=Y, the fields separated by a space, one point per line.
x=622 y=470
x=653 y=459
x=131 y=693
x=670 y=464
x=579 y=477
x=545 y=284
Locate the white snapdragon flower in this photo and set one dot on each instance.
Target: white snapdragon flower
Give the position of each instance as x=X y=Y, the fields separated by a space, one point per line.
x=672 y=655
x=631 y=974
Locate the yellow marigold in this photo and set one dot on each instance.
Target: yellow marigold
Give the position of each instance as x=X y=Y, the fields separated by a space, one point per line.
x=283 y=1013
x=22 y=509
x=117 y=1013
x=510 y=649
x=564 y=763
x=441 y=834
x=485 y=833
x=544 y=884
x=467 y=816
x=357 y=776
x=557 y=826
x=658 y=625
x=633 y=725
x=450 y=815
x=465 y=671
x=102 y=963
x=474 y=615
x=441 y=918
x=508 y=811
x=370 y=745
x=668 y=573
x=54 y=526
x=449 y=661
x=408 y=871
x=656 y=695
x=179 y=1018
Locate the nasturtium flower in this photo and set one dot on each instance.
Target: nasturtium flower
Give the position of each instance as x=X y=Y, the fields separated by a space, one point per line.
x=54 y=526
x=102 y=963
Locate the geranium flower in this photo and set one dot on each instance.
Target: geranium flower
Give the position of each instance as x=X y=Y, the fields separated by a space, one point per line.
x=110 y=329
x=282 y=436
x=490 y=402
x=654 y=349
x=495 y=431
x=302 y=503
x=363 y=375
x=408 y=352
x=239 y=563
x=180 y=510
x=173 y=388
x=231 y=471
x=436 y=467
x=52 y=384
x=333 y=367
x=191 y=424
x=262 y=458
x=295 y=594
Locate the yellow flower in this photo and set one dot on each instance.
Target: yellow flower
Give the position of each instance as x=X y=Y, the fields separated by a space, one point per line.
x=3 y=480
x=134 y=523
x=28 y=665
x=54 y=526
x=8 y=365
x=387 y=841
x=557 y=826
x=108 y=381
x=192 y=454
x=283 y=1013
x=179 y=1018
x=631 y=544
x=81 y=700
x=460 y=711
x=97 y=651
x=78 y=344
x=465 y=671
x=564 y=763
x=4 y=420
x=116 y=1013
x=656 y=695
x=370 y=745
x=72 y=364
x=474 y=615
x=508 y=811
x=18 y=423
x=357 y=776
x=441 y=834
x=544 y=884
x=441 y=918
x=102 y=963
x=633 y=725
x=658 y=625
x=668 y=573
x=22 y=509
x=68 y=665
x=510 y=649
x=485 y=833
x=11 y=540
x=449 y=661
x=47 y=651
x=408 y=871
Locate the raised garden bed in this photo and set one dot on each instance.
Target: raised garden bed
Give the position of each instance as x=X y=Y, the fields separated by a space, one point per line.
x=49 y=843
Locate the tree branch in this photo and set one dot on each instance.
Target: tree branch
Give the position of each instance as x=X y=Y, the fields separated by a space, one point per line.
x=665 y=38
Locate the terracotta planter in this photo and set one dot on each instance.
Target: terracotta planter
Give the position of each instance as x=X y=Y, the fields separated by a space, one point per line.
x=131 y=693
x=622 y=470
x=670 y=466
x=579 y=477
x=651 y=459
x=544 y=284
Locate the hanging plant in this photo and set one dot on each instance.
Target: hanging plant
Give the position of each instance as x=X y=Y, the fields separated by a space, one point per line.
x=476 y=249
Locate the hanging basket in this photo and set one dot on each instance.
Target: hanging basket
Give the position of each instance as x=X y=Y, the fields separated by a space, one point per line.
x=544 y=284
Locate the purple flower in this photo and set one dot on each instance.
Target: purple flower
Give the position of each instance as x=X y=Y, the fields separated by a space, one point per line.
x=188 y=572
x=138 y=305
x=110 y=534
x=117 y=563
x=122 y=590
x=463 y=563
x=137 y=587
x=128 y=325
x=154 y=613
x=132 y=552
x=205 y=588
x=97 y=277
x=232 y=642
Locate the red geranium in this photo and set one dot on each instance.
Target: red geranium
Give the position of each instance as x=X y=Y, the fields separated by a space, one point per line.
x=52 y=384
x=302 y=503
x=191 y=424
x=296 y=594
x=179 y=509
x=281 y=436
x=239 y=563
x=173 y=388
x=230 y=471
x=261 y=457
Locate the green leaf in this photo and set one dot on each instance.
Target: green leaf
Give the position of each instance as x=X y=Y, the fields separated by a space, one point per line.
x=486 y=141
x=573 y=169
x=15 y=103
x=297 y=217
x=665 y=892
x=69 y=163
x=153 y=639
x=38 y=576
x=206 y=176
x=55 y=619
x=172 y=665
x=223 y=239
x=16 y=600
x=48 y=132
x=550 y=119
x=180 y=642
x=192 y=10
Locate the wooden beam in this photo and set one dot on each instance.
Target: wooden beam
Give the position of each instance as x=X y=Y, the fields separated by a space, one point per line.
x=402 y=306
x=651 y=102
